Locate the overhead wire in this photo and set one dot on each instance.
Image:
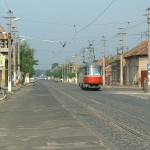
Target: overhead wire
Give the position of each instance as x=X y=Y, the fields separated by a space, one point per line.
x=51 y=23
x=1 y=12
x=6 y=4
x=91 y=23
x=76 y=32
x=75 y=29
x=57 y=40
x=137 y=25
x=126 y=28
x=73 y=25
x=96 y=17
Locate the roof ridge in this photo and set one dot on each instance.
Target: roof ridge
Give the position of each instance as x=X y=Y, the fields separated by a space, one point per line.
x=141 y=47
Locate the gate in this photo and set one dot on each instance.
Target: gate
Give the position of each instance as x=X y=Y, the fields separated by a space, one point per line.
x=143 y=76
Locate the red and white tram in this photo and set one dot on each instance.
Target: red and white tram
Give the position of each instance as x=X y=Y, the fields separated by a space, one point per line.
x=90 y=76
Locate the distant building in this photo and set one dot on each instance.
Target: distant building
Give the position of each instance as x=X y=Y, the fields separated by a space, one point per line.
x=108 y=69
x=3 y=56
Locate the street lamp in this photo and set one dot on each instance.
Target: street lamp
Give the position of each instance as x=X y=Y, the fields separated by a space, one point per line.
x=9 y=49
x=16 y=18
x=10 y=17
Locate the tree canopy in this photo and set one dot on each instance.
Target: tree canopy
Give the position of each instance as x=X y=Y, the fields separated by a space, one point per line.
x=54 y=65
x=27 y=60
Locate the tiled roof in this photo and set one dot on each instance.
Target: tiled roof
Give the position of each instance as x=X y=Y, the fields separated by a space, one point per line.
x=141 y=49
x=3 y=34
x=109 y=60
x=100 y=61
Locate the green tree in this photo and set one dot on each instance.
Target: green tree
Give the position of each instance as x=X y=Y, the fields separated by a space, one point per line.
x=27 y=60
x=48 y=73
x=56 y=70
x=39 y=72
x=54 y=65
x=71 y=75
x=57 y=73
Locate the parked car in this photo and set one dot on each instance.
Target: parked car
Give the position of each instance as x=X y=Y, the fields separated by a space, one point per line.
x=57 y=80
x=32 y=80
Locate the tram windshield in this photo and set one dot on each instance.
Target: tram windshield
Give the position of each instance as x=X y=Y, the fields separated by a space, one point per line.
x=92 y=71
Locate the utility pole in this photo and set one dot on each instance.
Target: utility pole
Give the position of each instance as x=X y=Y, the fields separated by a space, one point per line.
x=104 y=47
x=14 y=54
x=18 y=59
x=67 y=70
x=62 y=72
x=121 y=56
x=148 y=21
x=9 y=49
x=75 y=67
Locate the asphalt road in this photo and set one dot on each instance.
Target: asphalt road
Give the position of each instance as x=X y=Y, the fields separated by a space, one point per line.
x=52 y=115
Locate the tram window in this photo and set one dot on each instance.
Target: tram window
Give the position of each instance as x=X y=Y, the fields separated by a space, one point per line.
x=94 y=71
x=86 y=71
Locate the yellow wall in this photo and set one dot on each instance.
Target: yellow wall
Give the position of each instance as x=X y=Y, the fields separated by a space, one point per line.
x=2 y=70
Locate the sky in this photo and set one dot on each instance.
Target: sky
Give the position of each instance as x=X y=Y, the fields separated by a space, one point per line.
x=58 y=30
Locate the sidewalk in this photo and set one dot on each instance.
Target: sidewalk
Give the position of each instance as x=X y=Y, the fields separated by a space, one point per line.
x=14 y=89
x=118 y=86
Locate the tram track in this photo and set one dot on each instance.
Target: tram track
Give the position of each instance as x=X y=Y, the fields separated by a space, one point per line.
x=122 y=125
x=93 y=107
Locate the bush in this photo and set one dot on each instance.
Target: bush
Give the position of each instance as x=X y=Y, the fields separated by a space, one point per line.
x=71 y=75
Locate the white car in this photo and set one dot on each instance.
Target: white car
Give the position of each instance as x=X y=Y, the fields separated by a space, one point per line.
x=32 y=80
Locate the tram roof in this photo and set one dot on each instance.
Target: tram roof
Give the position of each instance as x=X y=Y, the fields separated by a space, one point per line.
x=90 y=65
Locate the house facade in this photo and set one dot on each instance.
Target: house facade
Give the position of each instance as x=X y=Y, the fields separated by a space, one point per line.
x=3 y=56
x=134 y=66
x=136 y=63
x=115 y=65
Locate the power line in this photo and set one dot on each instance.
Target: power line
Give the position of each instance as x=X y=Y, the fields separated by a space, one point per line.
x=46 y=22
x=137 y=25
x=96 y=17
x=91 y=21
x=126 y=28
x=1 y=11
x=72 y=25
x=6 y=4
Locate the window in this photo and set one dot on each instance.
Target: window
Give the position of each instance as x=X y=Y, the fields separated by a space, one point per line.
x=86 y=71
x=94 y=71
